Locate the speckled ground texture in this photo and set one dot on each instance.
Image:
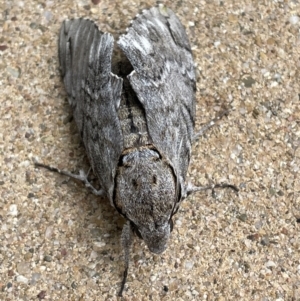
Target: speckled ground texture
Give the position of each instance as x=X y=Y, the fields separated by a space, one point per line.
x=60 y=242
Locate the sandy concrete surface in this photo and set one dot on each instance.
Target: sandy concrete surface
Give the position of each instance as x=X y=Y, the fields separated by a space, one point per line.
x=59 y=242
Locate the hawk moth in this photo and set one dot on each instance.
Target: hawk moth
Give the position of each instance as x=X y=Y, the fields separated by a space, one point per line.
x=136 y=118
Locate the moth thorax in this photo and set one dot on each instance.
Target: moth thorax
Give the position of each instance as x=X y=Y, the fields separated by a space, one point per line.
x=145 y=194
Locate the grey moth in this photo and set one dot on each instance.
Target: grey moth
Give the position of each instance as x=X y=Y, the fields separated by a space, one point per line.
x=136 y=117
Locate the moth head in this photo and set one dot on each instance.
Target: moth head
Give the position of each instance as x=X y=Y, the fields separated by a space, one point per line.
x=145 y=194
x=156 y=239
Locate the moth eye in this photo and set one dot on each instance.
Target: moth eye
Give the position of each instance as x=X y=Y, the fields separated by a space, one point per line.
x=136 y=230
x=138 y=233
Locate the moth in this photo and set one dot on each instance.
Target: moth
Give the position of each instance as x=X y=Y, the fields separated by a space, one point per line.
x=136 y=118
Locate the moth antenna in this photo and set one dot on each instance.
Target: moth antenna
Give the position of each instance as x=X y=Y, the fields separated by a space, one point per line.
x=124 y=280
x=126 y=241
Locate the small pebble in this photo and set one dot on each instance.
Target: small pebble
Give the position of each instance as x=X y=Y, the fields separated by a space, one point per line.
x=35 y=277
x=3 y=47
x=294 y=19
x=42 y=295
x=189 y=265
x=242 y=217
x=10 y=273
x=13 y=72
x=270 y=264
x=47 y=258
x=22 y=279
x=23 y=268
x=248 y=81
x=253 y=237
x=265 y=241
x=48 y=232
x=48 y=15
x=13 y=210
x=217 y=43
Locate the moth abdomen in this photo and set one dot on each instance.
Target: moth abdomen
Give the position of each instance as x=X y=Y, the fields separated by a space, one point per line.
x=132 y=118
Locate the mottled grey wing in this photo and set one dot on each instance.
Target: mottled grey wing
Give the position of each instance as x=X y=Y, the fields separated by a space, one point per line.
x=157 y=46
x=94 y=94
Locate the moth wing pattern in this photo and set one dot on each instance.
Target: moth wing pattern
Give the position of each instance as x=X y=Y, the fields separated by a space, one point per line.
x=94 y=94
x=158 y=48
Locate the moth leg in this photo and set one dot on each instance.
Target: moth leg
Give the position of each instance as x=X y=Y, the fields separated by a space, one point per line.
x=81 y=177
x=208 y=125
x=191 y=188
x=126 y=241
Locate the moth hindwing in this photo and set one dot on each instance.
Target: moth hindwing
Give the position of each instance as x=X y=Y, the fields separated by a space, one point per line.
x=135 y=116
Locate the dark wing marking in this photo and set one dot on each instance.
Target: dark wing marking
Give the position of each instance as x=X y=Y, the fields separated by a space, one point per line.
x=157 y=46
x=94 y=94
